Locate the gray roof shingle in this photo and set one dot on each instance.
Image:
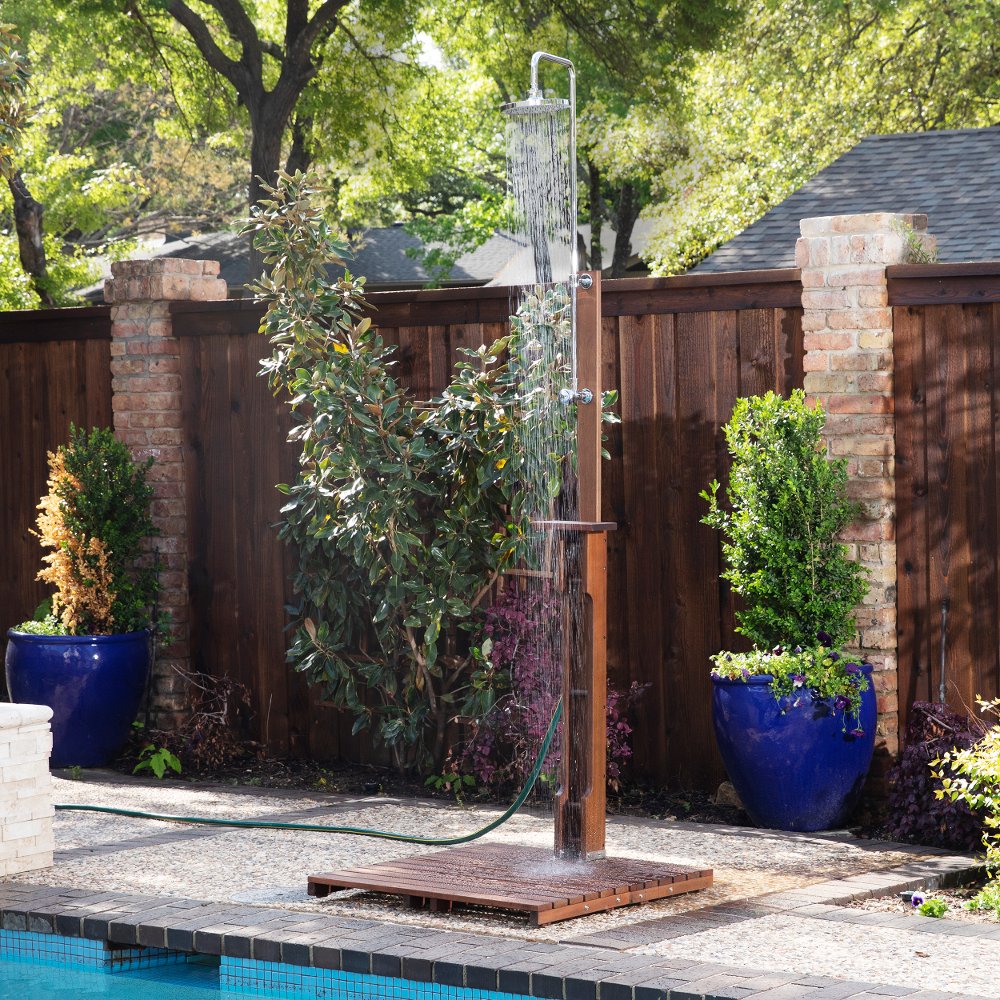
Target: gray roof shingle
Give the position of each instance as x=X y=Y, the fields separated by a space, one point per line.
x=951 y=176
x=379 y=254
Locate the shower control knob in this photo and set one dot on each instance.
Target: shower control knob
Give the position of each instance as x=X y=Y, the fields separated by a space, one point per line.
x=567 y=396
x=585 y=280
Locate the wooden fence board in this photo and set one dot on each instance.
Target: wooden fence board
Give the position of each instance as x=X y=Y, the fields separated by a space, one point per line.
x=980 y=639
x=948 y=497
x=643 y=516
x=912 y=580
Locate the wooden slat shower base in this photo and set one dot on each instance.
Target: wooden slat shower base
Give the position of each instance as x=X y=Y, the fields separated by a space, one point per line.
x=521 y=879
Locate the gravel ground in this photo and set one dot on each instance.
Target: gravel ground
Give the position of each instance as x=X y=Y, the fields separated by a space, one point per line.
x=874 y=954
x=269 y=867
x=272 y=865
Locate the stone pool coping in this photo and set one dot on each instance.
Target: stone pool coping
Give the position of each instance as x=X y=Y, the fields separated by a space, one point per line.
x=589 y=968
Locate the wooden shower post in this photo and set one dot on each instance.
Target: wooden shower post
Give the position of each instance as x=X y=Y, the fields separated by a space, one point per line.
x=580 y=804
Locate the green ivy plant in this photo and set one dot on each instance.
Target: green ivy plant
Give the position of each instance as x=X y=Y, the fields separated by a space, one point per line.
x=787 y=504
x=404 y=512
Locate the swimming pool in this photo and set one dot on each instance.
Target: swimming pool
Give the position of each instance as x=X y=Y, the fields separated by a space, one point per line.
x=193 y=980
x=52 y=966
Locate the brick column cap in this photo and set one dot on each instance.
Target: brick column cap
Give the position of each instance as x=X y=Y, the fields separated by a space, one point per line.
x=865 y=222
x=165 y=279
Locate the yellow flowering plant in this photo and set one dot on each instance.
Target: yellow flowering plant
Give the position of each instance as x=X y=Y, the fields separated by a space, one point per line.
x=95 y=520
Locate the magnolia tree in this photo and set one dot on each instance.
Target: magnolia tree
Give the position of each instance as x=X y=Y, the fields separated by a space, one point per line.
x=404 y=512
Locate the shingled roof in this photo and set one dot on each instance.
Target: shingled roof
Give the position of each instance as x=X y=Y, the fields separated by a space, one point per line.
x=379 y=254
x=951 y=176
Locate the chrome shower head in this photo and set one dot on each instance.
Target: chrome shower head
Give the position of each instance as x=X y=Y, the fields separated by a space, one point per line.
x=535 y=105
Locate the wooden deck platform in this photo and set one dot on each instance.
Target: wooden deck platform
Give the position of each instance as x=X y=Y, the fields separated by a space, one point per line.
x=521 y=879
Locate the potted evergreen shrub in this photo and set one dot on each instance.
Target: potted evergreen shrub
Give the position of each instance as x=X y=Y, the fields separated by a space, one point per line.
x=794 y=716
x=87 y=654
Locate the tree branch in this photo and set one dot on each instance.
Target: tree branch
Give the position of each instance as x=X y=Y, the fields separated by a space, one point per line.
x=322 y=24
x=202 y=36
x=242 y=30
x=307 y=34
x=296 y=18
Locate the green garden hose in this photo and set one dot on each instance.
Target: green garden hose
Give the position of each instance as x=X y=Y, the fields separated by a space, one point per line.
x=356 y=831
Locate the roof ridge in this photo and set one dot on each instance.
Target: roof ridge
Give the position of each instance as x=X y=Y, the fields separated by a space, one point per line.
x=923 y=133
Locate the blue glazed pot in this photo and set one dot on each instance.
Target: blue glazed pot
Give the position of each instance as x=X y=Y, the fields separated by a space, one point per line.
x=797 y=771
x=92 y=683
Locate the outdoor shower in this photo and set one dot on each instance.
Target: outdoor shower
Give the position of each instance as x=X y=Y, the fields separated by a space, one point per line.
x=565 y=558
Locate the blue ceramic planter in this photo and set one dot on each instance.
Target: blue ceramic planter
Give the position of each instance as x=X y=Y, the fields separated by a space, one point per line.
x=792 y=771
x=92 y=683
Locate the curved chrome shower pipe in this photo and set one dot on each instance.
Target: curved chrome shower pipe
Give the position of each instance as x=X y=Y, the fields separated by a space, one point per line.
x=536 y=103
x=534 y=94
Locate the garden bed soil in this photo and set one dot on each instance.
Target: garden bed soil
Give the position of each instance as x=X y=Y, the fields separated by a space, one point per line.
x=954 y=898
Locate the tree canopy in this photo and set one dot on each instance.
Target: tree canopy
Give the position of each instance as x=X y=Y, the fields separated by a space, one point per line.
x=802 y=83
x=156 y=115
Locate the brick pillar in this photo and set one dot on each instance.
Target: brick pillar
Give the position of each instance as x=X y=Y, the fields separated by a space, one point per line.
x=146 y=400
x=847 y=328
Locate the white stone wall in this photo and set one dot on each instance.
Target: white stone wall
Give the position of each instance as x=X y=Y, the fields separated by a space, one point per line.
x=25 y=788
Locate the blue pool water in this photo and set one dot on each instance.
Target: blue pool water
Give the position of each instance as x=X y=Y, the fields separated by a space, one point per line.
x=35 y=966
x=196 y=980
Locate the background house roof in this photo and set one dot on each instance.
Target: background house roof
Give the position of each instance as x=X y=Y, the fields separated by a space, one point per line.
x=951 y=176
x=379 y=254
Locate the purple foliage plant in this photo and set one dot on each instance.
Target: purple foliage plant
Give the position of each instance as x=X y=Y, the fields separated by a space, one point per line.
x=914 y=813
x=502 y=749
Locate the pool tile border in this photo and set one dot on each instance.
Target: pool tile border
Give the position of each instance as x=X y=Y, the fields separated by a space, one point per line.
x=594 y=967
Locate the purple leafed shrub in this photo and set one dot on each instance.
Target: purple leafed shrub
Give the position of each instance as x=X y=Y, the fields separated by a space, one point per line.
x=915 y=814
x=504 y=745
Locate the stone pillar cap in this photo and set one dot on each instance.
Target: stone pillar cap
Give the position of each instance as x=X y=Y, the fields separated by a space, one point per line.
x=14 y=716
x=164 y=279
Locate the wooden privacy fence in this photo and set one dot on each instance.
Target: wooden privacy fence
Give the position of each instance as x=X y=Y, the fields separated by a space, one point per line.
x=680 y=350
x=946 y=332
